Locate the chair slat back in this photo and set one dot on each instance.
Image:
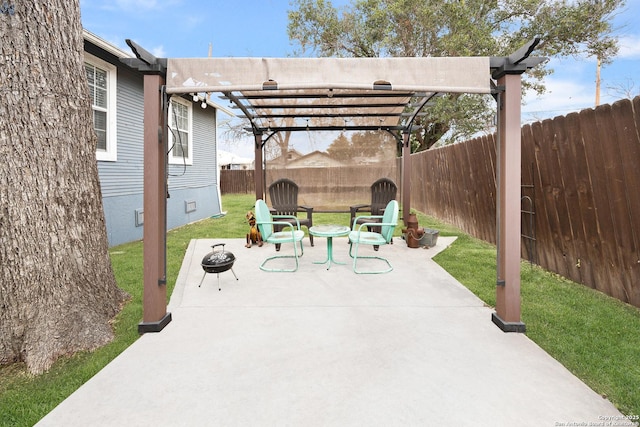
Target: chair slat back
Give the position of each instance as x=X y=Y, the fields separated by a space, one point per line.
x=390 y=216
x=263 y=215
x=382 y=191
x=284 y=196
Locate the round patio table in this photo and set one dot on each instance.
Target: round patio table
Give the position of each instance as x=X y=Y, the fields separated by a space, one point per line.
x=329 y=231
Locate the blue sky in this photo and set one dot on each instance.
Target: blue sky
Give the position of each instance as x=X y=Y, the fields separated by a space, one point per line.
x=258 y=28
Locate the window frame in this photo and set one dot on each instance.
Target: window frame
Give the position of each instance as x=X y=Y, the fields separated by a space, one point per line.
x=181 y=160
x=110 y=154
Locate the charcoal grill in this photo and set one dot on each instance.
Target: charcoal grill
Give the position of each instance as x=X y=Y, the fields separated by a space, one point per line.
x=217 y=261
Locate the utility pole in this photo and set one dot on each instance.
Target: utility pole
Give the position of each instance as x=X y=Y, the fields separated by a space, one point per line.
x=598 y=66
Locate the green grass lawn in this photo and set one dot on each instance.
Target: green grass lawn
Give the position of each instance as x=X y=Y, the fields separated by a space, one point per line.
x=594 y=336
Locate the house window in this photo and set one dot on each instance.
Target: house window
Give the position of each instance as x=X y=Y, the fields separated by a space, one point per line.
x=101 y=77
x=180 y=133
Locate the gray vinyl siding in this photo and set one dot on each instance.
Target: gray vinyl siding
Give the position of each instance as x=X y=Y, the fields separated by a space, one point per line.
x=203 y=170
x=196 y=183
x=125 y=176
x=122 y=181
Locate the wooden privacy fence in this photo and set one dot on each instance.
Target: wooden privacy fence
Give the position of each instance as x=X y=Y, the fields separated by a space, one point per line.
x=335 y=188
x=326 y=189
x=580 y=189
x=239 y=181
x=457 y=184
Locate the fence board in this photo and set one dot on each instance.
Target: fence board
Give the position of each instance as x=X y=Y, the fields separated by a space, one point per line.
x=629 y=149
x=549 y=190
x=616 y=188
x=601 y=200
x=486 y=158
x=569 y=208
x=580 y=201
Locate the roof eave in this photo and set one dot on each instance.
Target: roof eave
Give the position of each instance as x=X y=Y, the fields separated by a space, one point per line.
x=104 y=45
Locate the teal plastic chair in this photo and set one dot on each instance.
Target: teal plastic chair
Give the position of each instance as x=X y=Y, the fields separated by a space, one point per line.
x=360 y=236
x=290 y=233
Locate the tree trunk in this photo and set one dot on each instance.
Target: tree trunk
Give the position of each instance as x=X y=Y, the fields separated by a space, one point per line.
x=58 y=293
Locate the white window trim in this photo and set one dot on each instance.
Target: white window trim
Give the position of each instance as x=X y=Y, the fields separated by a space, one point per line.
x=111 y=153
x=181 y=160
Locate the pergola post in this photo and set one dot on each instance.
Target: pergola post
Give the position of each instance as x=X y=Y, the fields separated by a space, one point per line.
x=406 y=175
x=508 y=310
x=258 y=170
x=155 y=316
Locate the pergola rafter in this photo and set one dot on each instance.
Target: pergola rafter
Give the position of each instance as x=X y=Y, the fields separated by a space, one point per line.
x=320 y=94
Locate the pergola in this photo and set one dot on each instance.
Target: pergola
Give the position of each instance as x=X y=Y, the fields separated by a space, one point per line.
x=323 y=94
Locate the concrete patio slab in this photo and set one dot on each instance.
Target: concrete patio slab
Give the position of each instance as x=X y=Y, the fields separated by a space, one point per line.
x=330 y=348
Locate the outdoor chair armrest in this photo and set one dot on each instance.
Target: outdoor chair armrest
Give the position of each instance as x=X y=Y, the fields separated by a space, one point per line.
x=360 y=206
x=285 y=225
x=356 y=208
x=308 y=210
x=355 y=220
x=284 y=222
x=353 y=210
x=375 y=224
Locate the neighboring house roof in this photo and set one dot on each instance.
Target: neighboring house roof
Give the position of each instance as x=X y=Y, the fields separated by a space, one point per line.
x=226 y=158
x=284 y=159
x=316 y=159
x=367 y=160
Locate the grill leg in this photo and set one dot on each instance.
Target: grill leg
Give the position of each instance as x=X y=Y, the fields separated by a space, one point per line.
x=201 y=280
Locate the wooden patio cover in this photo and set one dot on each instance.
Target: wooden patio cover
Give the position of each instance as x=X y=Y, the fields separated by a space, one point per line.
x=320 y=93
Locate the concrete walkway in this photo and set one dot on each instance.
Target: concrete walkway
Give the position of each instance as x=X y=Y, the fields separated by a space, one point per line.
x=330 y=348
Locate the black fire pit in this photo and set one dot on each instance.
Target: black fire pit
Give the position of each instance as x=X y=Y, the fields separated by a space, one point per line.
x=217 y=262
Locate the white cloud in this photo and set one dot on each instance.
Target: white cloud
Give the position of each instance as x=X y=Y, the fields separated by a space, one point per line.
x=193 y=21
x=137 y=5
x=563 y=96
x=159 y=52
x=629 y=47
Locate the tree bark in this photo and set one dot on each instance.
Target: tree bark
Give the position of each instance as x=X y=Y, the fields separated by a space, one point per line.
x=58 y=293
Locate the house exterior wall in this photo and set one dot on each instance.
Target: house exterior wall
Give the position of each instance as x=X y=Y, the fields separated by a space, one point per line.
x=195 y=186
x=122 y=181
x=193 y=189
